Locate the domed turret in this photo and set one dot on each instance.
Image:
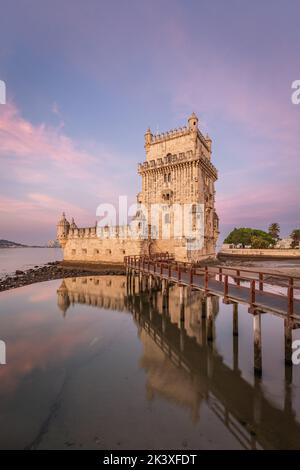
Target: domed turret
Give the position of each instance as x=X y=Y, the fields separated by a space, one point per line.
x=208 y=141
x=193 y=122
x=63 y=227
x=148 y=138
x=73 y=225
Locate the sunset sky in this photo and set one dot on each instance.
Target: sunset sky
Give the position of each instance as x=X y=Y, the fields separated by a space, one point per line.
x=86 y=78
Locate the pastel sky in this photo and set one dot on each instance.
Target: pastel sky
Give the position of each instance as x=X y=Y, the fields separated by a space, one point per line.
x=86 y=78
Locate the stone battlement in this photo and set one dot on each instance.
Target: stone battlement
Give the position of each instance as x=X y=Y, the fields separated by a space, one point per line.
x=174 y=134
x=182 y=140
x=118 y=231
x=171 y=134
x=176 y=159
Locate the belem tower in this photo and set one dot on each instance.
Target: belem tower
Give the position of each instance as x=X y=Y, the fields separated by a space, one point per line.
x=178 y=178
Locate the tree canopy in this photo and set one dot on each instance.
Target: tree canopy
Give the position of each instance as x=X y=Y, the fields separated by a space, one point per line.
x=274 y=230
x=250 y=236
x=295 y=237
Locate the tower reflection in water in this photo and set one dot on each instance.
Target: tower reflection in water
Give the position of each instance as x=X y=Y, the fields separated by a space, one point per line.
x=177 y=329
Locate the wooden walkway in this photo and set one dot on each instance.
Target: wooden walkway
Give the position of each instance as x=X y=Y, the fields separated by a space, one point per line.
x=234 y=285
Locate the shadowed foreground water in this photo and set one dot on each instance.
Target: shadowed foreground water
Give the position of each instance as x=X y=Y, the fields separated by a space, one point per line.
x=91 y=365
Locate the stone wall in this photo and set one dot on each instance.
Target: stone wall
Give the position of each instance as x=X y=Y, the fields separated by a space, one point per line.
x=272 y=253
x=96 y=250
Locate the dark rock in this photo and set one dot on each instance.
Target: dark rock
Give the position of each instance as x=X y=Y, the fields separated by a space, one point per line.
x=18 y=272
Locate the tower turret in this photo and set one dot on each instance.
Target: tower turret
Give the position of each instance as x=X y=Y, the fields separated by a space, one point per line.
x=208 y=141
x=73 y=225
x=193 y=122
x=148 y=139
x=63 y=227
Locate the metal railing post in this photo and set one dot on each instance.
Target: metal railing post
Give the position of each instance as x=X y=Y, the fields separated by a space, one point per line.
x=261 y=281
x=291 y=297
x=226 y=286
x=206 y=278
x=191 y=276
x=252 y=292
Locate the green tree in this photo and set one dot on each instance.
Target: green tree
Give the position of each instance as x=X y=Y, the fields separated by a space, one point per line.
x=274 y=230
x=295 y=235
x=243 y=236
x=259 y=242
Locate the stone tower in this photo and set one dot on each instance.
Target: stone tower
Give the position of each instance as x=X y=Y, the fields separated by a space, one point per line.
x=62 y=231
x=178 y=171
x=177 y=174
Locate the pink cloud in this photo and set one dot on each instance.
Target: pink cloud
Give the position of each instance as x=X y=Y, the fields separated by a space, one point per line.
x=262 y=205
x=38 y=207
x=42 y=165
x=21 y=139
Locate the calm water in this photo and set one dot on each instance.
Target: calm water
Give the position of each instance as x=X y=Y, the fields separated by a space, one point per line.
x=12 y=259
x=90 y=365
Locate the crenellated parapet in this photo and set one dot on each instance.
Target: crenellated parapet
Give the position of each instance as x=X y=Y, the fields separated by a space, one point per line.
x=106 y=232
x=84 y=232
x=182 y=140
x=180 y=159
x=174 y=134
x=171 y=134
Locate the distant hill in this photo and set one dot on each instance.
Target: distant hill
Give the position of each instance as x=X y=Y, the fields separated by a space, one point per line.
x=9 y=244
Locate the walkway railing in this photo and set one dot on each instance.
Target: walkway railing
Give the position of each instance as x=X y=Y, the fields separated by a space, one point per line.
x=234 y=284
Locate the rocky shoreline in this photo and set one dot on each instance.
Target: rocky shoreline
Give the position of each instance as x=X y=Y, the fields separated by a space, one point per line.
x=59 y=270
x=51 y=271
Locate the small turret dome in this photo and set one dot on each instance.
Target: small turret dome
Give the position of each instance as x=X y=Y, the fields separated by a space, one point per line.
x=63 y=221
x=73 y=225
x=193 y=121
x=148 y=136
x=62 y=231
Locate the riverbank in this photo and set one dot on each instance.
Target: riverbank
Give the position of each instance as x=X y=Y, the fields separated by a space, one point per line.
x=275 y=267
x=267 y=254
x=56 y=270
